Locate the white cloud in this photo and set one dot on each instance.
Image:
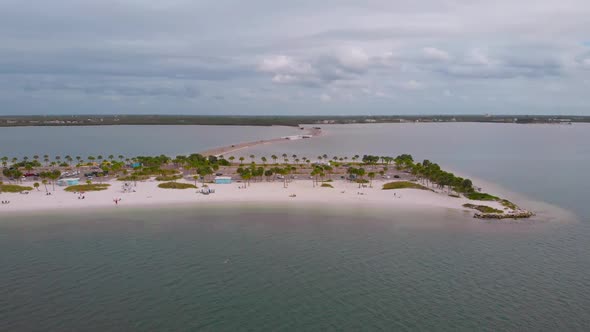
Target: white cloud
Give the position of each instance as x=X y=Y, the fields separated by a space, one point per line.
x=435 y=54
x=325 y=98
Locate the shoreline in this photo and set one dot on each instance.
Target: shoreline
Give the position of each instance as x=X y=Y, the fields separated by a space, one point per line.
x=298 y=194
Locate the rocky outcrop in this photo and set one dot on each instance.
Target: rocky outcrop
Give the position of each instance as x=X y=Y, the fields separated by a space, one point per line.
x=521 y=214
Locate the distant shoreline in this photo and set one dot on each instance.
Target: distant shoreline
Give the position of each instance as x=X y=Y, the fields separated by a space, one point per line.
x=290 y=121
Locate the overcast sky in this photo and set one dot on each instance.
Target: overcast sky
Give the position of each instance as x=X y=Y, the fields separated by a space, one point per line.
x=295 y=57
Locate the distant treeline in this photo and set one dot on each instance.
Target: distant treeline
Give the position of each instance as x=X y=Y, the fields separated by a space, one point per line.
x=105 y=120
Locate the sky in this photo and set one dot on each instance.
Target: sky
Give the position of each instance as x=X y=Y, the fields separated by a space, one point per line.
x=306 y=57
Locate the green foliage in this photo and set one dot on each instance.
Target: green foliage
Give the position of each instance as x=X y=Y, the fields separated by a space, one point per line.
x=168 y=177
x=87 y=187
x=403 y=185
x=176 y=185
x=327 y=185
x=133 y=177
x=12 y=188
x=482 y=208
x=481 y=197
x=508 y=204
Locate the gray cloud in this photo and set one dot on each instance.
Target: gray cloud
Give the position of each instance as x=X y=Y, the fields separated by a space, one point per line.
x=343 y=55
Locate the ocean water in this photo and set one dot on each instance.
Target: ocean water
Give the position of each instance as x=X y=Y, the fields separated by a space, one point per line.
x=129 y=141
x=261 y=268
x=300 y=268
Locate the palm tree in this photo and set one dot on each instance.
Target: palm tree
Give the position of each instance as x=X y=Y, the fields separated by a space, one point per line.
x=263 y=160
x=36 y=185
x=241 y=160
x=111 y=157
x=44 y=181
x=231 y=158
x=274 y=158
x=36 y=157
x=371 y=176
x=121 y=157
x=252 y=157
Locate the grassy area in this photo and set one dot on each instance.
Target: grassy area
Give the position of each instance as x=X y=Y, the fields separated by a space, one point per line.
x=133 y=178
x=482 y=208
x=168 y=177
x=176 y=185
x=87 y=187
x=13 y=188
x=403 y=185
x=481 y=197
x=327 y=185
x=509 y=204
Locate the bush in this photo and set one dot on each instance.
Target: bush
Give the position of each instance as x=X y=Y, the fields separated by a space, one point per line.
x=403 y=185
x=87 y=187
x=133 y=177
x=168 y=177
x=481 y=197
x=13 y=188
x=482 y=208
x=176 y=185
x=327 y=185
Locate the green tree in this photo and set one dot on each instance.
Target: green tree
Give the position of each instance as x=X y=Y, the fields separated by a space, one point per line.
x=371 y=176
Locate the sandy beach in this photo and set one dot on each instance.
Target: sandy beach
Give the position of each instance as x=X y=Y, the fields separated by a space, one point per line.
x=298 y=192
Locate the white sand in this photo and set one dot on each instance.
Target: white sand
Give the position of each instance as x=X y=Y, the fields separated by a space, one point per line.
x=148 y=194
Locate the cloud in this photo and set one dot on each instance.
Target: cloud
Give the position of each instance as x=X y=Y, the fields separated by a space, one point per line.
x=62 y=52
x=431 y=53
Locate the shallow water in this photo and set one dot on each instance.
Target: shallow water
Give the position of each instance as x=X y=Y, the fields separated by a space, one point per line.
x=290 y=269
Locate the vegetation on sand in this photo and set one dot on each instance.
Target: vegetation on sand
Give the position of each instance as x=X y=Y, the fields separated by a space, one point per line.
x=88 y=187
x=13 y=188
x=176 y=185
x=327 y=185
x=482 y=208
x=481 y=196
x=403 y=185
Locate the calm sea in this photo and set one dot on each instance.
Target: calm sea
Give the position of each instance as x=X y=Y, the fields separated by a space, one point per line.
x=129 y=141
x=287 y=268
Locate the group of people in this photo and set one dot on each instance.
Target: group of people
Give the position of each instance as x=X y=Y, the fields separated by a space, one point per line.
x=5 y=202
x=48 y=194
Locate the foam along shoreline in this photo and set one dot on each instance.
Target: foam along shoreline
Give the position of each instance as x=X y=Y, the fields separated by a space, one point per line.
x=309 y=133
x=148 y=194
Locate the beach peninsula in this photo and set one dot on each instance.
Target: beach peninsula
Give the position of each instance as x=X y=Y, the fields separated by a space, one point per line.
x=36 y=184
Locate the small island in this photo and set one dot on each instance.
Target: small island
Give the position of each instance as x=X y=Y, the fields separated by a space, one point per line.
x=41 y=182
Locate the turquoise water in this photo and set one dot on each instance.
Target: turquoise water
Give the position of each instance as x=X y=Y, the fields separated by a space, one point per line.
x=299 y=268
